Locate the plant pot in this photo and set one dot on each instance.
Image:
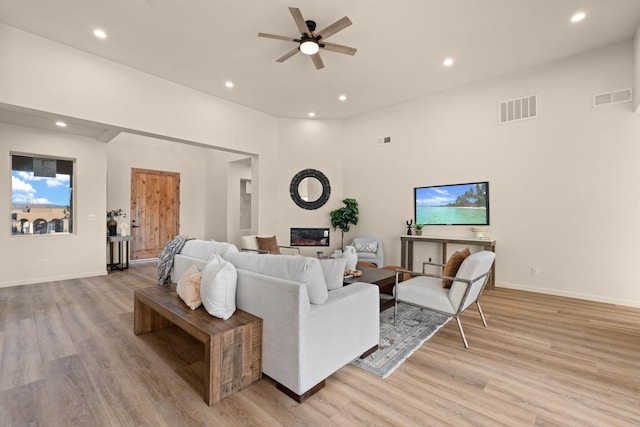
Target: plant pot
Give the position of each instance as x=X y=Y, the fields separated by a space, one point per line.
x=418 y=232
x=112 y=226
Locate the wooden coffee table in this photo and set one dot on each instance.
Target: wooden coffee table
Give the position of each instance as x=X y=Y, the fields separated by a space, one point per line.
x=385 y=279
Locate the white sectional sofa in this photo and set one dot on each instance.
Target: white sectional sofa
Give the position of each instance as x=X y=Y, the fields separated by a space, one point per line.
x=308 y=332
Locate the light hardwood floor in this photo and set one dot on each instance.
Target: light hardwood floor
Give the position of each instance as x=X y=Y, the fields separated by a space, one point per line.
x=69 y=357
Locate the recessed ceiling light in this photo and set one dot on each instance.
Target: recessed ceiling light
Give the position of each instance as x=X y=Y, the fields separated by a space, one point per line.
x=311 y=114
x=578 y=17
x=342 y=98
x=61 y=124
x=229 y=84
x=448 y=62
x=99 y=33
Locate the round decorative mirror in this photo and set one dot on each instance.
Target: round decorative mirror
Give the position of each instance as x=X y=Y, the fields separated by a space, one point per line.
x=310 y=189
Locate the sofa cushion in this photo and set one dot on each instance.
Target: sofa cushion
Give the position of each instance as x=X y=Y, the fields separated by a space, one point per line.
x=419 y=289
x=218 y=288
x=296 y=268
x=205 y=249
x=188 y=287
x=333 y=271
x=452 y=266
x=269 y=244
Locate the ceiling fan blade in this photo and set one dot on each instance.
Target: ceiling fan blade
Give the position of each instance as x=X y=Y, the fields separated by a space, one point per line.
x=273 y=36
x=340 y=24
x=299 y=20
x=288 y=55
x=317 y=61
x=340 y=48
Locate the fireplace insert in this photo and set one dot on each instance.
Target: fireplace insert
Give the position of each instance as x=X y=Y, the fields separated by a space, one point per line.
x=309 y=237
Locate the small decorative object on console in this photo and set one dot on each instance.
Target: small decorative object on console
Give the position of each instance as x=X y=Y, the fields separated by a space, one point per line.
x=112 y=224
x=352 y=273
x=480 y=232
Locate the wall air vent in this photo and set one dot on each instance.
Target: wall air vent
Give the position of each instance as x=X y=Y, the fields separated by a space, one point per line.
x=518 y=109
x=383 y=140
x=615 y=97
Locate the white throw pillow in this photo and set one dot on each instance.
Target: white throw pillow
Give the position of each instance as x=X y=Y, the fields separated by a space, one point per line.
x=363 y=245
x=218 y=288
x=205 y=249
x=333 y=271
x=188 y=287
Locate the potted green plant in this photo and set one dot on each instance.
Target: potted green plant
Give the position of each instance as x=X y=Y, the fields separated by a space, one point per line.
x=418 y=228
x=345 y=217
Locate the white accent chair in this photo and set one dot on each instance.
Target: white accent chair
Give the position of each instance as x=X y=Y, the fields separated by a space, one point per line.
x=426 y=290
x=369 y=249
x=250 y=243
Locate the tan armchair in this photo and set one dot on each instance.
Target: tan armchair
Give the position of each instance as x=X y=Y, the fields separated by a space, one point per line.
x=427 y=291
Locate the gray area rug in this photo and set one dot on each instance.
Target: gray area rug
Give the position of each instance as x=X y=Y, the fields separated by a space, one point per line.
x=397 y=343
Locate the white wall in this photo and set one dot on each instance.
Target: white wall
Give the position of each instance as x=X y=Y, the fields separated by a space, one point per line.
x=309 y=144
x=201 y=185
x=563 y=187
x=68 y=256
x=43 y=75
x=236 y=171
x=636 y=69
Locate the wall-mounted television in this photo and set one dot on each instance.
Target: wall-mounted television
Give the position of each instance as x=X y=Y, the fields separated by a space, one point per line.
x=457 y=204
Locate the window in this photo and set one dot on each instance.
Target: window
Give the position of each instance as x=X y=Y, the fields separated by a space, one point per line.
x=41 y=195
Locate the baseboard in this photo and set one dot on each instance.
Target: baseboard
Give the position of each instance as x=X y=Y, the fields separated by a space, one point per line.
x=52 y=279
x=577 y=295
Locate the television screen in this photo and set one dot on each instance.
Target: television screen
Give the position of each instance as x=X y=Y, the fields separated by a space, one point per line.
x=458 y=204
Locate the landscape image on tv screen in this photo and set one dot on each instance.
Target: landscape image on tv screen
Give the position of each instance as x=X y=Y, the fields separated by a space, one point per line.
x=459 y=204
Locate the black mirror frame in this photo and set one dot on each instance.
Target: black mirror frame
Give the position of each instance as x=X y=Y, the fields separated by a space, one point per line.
x=310 y=173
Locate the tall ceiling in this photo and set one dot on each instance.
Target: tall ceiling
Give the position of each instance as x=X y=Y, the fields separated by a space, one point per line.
x=401 y=44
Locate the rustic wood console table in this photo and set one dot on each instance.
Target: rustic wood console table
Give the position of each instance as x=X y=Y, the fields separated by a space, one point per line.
x=406 y=250
x=232 y=347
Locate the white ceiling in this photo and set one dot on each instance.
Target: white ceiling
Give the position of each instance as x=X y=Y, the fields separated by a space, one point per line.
x=401 y=44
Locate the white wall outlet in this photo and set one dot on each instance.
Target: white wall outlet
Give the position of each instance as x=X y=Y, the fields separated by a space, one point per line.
x=91 y=217
x=44 y=262
x=535 y=271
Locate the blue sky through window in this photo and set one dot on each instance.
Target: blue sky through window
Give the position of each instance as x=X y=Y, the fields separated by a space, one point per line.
x=30 y=190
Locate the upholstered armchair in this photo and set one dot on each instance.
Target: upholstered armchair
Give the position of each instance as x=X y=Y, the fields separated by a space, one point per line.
x=429 y=291
x=369 y=249
x=266 y=244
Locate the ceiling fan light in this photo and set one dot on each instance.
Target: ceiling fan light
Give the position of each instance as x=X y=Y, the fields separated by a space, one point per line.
x=309 y=47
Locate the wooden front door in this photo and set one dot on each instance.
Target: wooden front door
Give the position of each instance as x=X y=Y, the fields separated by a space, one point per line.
x=155 y=206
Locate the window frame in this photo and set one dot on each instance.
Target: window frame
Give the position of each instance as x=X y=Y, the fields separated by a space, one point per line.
x=71 y=227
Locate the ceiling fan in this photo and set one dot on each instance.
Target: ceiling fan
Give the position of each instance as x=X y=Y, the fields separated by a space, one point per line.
x=310 y=42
